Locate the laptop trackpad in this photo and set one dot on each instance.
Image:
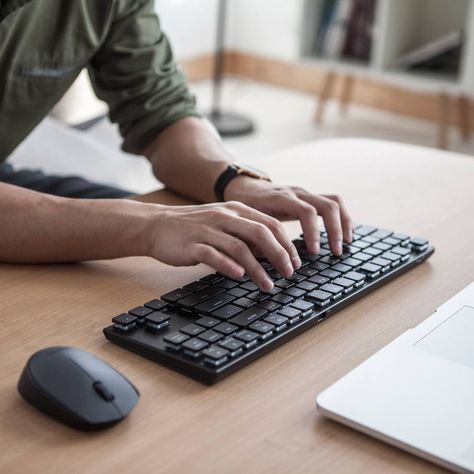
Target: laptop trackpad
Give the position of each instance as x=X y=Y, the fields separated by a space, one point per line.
x=454 y=338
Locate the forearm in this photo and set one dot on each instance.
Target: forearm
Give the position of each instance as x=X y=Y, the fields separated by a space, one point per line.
x=36 y=228
x=188 y=156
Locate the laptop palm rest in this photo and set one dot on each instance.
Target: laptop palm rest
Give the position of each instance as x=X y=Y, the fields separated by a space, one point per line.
x=453 y=339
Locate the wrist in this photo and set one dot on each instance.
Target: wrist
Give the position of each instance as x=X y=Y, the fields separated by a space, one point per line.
x=237 y=189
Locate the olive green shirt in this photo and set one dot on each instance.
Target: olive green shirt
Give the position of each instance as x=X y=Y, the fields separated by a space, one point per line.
x=44 y=44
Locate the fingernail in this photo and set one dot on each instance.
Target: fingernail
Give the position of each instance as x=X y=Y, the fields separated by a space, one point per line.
x=350 y=235
x=289 y=270
x=339 y=247
x=296 y=263
x=317 y=247
x=266 y=285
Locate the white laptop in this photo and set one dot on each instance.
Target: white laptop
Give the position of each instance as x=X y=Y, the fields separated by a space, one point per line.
x=417 y=393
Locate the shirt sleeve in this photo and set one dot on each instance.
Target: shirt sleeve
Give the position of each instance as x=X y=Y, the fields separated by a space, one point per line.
x=134 y=71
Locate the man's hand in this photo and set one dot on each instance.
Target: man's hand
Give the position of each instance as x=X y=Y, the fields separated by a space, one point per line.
x=290 y=202
x=222 y=236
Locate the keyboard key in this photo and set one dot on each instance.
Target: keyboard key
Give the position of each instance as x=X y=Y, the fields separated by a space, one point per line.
x=140 y=311
x=359 y=278
x=237 y=292
x=318 y=279
x=210 y=336
x=215 y=356
x=249 y=338
x=364 y=230
x=282 y=298
x=321 y=298
x=352 y=262
x=225 y=328
x=212 y=279
x=297 y=277
x=234 y=346
x=227 y=311
x=330 y=260
x=418 y=244
x=403 y=238
x=196 y=286
x=361 y=244
x=192 y=347
x=382 y=246
x=194 y=299
x=227 y=283
x=372 y=251
x=277 y=320
x=295 y=292
x=284 y=283
x=248 y=316
x=307 y=286
x=305 y=307
x=390 y=241
x=265 y=330
x=393 y=257
x=258 y=296
x=371 y=270
x=402 y=251
x=384 y=263
x=269 y=305
x=175 y=295
x=370 y=239
x=335 y=290
x=341 y=267
x=330 y=273
x=319 y=266
x=363 y=257
x=249 y=285
x=175 y=338
x=157 y=320
x=244 y=302
x=207 y=322
x=125 y=322
x=293 y=314
x=213 y=303
x=345 y=283
x=155 y=305
x=192 y=329
x=382 y=234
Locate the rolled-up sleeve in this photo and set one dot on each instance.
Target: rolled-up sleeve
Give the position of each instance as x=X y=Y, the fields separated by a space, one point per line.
x=134 y=71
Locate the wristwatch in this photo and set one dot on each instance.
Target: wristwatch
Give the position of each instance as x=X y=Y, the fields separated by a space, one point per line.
x=231 y=172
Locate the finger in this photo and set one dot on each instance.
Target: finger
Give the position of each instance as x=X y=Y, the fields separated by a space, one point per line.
x=203 y=253
x=276 y=228
x=347 y=224
x=238 y=251
x=329 y=210
x=255 y=233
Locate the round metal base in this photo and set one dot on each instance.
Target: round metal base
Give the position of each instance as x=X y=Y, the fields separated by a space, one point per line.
x=230 y=125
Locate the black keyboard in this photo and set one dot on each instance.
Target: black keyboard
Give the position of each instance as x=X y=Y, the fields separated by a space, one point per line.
x=216 y=325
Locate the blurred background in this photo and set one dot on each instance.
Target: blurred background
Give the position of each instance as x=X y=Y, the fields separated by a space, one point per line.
x=299 y=70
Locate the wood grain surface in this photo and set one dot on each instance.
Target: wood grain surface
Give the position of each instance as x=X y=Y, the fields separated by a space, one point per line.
x=263 y=418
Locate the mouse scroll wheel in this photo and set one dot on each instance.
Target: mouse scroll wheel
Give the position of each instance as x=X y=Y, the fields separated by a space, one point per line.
x=103 y=391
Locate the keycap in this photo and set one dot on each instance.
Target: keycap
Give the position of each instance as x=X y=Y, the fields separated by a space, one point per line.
x=125 y=322
x=225 y=328
x=319 y=266
x=344 y=283
x=237 y=292
x=195 y=286
x=330 y=260
x=248 y=316
x=195 y=298
x=305 y=307
x=227 y=283
x=393 y=257
x=265 y=330
x=297 y=277
x=403 y=238
x=282 y=298
x=192 y=329
x=418 y=244
x=365 y=229
x=335 y=290
x=352 y=262
x=309 y=256
x=207 y=322
x=341 y=267
x=249 y=285
x=307 y=286
x=212 y=279
x=384 y=263
x=318 y=279
x=356 y=276
x=249 y=338
x=402 y=251
x=321 y=297
x=175 y=295
x=382 y=234
x=370 y=239
x=390 y=241
x=155 y=305
x=214 y=355
x=244 y=302
x=295 y=292
x=227 y=311
x=330 y=273
x=140 y=311
x=361 y=244
x=213 y=303
x=363 y=257
x=372 y=251
x=371 y=270
x=290 y=313
x=269 y=305
x=258 y=296
x=210 y=336
x=175 y=338
x=382 y=246
x=234 y=346
x=283 y=283
x=157 y=320
x=192 y=347
x=277 y=320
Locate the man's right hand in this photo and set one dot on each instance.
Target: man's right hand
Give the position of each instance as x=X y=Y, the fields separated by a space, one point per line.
x=222 y=235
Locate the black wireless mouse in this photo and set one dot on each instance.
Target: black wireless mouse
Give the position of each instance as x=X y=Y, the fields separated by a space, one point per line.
x=77 y=388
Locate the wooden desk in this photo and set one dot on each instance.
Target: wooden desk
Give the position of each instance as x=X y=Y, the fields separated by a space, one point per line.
x=263 y=418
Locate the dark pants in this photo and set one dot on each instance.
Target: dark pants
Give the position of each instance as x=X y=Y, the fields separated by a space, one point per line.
x=66 y=186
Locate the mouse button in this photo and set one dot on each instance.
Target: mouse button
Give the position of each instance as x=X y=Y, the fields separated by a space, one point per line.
x=103 y=391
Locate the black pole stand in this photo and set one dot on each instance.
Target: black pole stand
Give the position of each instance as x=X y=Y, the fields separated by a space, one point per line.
x=227 y=124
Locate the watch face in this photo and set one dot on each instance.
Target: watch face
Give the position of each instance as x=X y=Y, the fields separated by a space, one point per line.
x=251 y=171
